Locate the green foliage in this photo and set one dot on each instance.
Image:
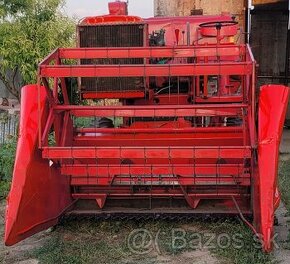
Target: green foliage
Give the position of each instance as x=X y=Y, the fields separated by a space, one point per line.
x=29 y=31
x=4 y=190
x=13 y=7
x=7 y=156
x=82 y=122
x=4 y=117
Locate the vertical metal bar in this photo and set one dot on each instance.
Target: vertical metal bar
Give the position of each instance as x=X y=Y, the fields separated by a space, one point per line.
x=169 y=84
x=65 y=129
x=63 y=86
x=178 y=90
x=244 y=88
x=244 y=128
x=55 y=89
x=9 y=125
x=205 y=86
x=39 y=114
x=188 y=34
x=197 y=86
x=249 y=21
x=48 y=91
x=47 y=128
x=253 y=102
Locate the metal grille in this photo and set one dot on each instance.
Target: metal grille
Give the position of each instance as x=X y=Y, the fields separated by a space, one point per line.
x=130 y=35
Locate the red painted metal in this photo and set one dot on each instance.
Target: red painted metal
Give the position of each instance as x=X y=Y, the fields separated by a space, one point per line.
x=272 y=112
x=186 y=132
x=27 y=205
x=148 y=52
x=118 y=13
x=233 y=68
x=111 y=19
x=118 y=8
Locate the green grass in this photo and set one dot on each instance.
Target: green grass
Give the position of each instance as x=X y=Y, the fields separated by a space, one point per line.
x=247 y=250
x=84 y=241
x=102 y=242
x=284 y=183
x=57 y=250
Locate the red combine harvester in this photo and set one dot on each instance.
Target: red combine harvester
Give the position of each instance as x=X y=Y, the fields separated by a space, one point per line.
x=166 y=120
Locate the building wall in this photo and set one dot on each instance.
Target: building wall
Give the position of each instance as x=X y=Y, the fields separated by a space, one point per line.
x=184 y=7
x=209 y=7
x=268 y=42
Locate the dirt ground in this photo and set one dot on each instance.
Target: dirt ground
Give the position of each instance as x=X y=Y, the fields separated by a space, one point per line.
x=21 y=253
x=283 y=254
x=285 y=144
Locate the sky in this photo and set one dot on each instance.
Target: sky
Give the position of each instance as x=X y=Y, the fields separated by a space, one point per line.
x=83 y=8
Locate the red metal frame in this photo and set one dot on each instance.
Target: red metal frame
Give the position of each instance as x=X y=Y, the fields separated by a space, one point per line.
x=174 y=145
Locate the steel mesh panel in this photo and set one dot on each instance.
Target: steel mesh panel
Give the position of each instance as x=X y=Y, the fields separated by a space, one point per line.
x=130 y=35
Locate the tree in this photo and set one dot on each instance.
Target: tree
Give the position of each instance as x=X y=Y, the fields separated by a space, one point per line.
x=12 y=7
x=30 y=30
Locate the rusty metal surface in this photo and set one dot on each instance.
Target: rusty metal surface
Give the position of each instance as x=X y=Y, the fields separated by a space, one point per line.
x=185 y=7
